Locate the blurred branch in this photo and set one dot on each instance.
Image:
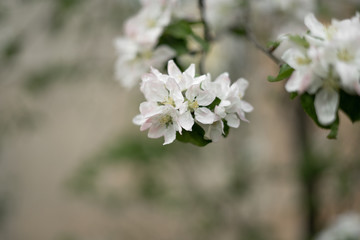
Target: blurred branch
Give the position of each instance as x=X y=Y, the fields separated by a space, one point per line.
x=207 y=36
x=251 y=36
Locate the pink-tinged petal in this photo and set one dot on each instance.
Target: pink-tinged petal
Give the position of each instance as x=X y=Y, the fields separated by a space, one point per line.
x=246 y=107
x=204 y=115
x=156 y=130
x=191 y=70
x=146 y=125
x=316 y=28
x=173 y=70
x=149 y=109
x=326 y=105
x=186 y=121
x=169 y=135
x=232 y=120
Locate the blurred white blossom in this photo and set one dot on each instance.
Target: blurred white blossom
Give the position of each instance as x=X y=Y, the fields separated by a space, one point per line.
x=346 y=227
x=137 y=50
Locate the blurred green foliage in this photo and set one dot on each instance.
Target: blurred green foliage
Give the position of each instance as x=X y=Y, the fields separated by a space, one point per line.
x=38 y=80
x=62 y=9
x=12 y=49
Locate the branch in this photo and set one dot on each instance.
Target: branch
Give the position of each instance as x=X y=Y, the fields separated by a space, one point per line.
x=267 y=52
x=207 y=36
x=251 y=36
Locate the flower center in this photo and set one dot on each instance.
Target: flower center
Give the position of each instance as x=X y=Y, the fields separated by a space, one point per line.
x=303 y=61
x=330 y=31
x=145 y=54
x=344 y=55
x=168 y=101
x=166 y=120
x=151 y=23
x=193 y=105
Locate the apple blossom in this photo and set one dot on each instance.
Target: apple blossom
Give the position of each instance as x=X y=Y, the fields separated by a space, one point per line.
x=325 y=60
x=177 y=101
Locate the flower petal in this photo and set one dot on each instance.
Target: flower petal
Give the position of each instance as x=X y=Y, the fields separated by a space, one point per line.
x=316 y=28
x=173 y=70
x=156 y=130
x=232 y=120
x=204 y=115
x=326 y=105
x=191 y=70
x=186 y=121
x=169 y=134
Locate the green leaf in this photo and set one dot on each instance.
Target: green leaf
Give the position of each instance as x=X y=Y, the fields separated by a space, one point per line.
x=284 y=73
x=240 y=31
x=293 y=95
x=307 y=102
x=178 y=44
x=299 y=40
x=226 y=128
x=272 y=45
x=179 y=29
x=195 y=136
x=214 y=104
x=350 y=105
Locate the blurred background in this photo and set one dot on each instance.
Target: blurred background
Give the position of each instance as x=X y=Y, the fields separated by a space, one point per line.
x=74 y=167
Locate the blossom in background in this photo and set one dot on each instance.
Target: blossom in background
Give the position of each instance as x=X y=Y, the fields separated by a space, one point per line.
x=327 y=61
x=177 y=100
x=137 y=50
x=346 y=227
x=297 y=8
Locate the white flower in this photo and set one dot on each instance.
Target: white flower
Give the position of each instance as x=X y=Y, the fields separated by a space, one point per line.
x=160 y=92
x=178 y=100
x=185 y=79
x=162 y=121
x=231 y=107
x=197 y=100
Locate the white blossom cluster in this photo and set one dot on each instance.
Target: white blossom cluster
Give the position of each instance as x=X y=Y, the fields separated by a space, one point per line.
x=327 y=63
x=346 y=227
x=137 y=49
x=177 y=100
